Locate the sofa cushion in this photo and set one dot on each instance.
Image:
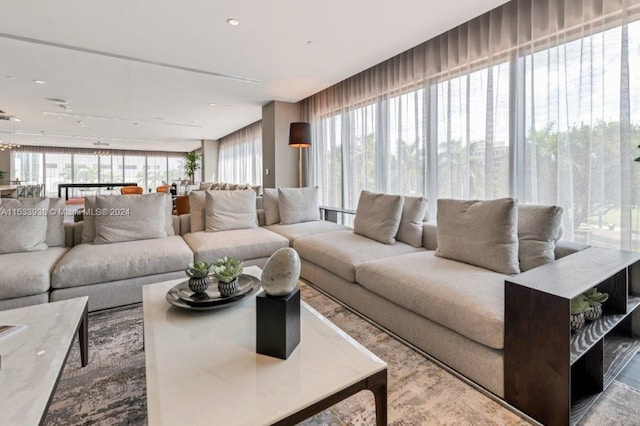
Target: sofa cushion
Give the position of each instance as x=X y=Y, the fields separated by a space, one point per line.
x=298 y=230
x=414 y=211
x=227 y=210
x=480 y=233
x=298 y=204
x=87 y=264
x=130 y=217
x=23 y=225
x=271 y=208
x=55 y=219
x=26 y=274
x=197 y=201
x=462 y=297
x=539 y=227
x=243 y=244
x=378 y=216
x=341 y=251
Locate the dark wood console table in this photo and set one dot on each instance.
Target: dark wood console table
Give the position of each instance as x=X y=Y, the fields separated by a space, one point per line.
x=554 y=375
x=66 y=186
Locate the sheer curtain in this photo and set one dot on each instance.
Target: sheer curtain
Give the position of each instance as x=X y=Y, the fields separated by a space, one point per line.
x=240 y=156
x=536 y=99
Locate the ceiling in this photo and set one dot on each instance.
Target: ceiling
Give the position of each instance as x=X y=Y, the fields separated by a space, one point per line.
x=142 y=74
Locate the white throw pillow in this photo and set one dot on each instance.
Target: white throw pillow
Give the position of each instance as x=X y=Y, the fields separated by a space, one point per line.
x=539 y=227
x=23 y=225
x=271 y=207
x=122 y=218
x=378 y=216
x=227 y=210
x=480 y=233
x=414 y=211
x=298 y=205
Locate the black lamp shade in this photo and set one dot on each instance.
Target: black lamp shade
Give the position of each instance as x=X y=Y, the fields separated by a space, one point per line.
x=300 y=135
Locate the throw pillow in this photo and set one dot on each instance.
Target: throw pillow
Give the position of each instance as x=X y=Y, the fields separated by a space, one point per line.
x=197 y=201
x=270 y=205
x=55 y=226
x=298 y=205
x=480 y=233
x=378 y=216
x=23 y=225
x=205 y=186
x=414 y=211
x=130 y=218
x=539 y=227
x=226 y=210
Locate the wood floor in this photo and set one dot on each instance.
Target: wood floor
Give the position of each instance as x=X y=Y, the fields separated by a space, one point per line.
x=631 y=374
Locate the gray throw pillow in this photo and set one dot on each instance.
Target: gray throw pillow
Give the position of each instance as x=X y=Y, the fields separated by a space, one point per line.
x=539 y=227
x=23 y=225
x=227 y=210
x=298 y=205
x=197 y=201
x=480 y=233
x=414 y=212
x=378 y=216
x=55 y=219
x=123 y=218
x=270 y=205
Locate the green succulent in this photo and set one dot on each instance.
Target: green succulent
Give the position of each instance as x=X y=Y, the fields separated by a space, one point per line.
x=579 y=305
x=227 y=269
x=594 y=297
x=198 y=269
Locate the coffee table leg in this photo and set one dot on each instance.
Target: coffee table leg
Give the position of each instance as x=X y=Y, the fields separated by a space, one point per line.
x=378 y=385
x=83 y=337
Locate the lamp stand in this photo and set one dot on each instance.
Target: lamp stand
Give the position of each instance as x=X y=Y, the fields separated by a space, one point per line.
x=300 y=167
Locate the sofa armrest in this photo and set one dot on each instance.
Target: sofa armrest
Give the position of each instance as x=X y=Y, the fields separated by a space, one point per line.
x=429 y=235
x=68 y=234
x=565 y=248
x=185 y=223
x=331 y=213
x=176 y=224
x=77 y=233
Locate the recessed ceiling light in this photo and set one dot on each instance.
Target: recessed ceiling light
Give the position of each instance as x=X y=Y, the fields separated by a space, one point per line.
x=310 y=42
x=39 y=81
x=212 y=104
x=10 y=77
x=234 y=22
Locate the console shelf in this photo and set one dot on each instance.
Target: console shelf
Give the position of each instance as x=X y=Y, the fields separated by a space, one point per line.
x=551 y=374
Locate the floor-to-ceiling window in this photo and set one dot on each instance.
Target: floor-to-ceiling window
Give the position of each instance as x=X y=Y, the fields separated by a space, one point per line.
x=52 y=166
x=535 y=100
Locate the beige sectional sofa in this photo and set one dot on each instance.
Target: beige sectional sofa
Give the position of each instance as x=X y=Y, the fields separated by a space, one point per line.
x=452 y=310
x=112 y=274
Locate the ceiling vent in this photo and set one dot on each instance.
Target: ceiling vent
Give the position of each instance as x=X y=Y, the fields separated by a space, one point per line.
x=57 y=101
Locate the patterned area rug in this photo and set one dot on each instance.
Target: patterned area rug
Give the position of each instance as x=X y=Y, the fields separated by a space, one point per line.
x=111 y=389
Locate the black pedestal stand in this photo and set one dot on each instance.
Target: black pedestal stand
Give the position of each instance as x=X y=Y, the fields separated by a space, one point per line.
x=277 y=324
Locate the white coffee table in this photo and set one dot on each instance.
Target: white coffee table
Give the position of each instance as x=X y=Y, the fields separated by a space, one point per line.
x=33 y=358
x=202 y=367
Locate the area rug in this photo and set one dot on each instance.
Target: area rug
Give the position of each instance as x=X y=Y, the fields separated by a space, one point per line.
x=111 y=389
